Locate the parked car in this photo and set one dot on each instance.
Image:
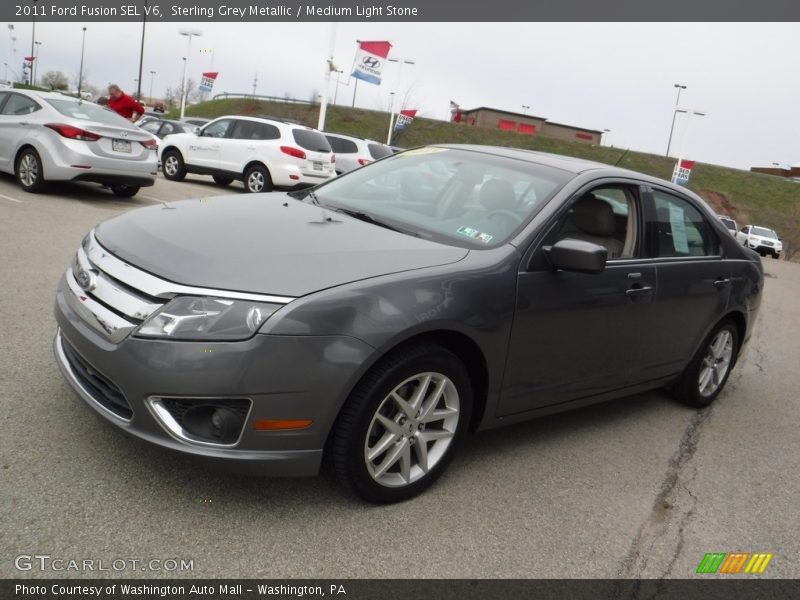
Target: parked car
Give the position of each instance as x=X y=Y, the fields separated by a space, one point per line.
x=161 y=128
x=761 y=239
x=353 y=152
x=378 y=326
x=196 y=121
x=47 y=137
x=729 y=223
x=262 y=153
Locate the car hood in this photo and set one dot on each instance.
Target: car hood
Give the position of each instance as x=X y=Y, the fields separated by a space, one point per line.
x=263 y=243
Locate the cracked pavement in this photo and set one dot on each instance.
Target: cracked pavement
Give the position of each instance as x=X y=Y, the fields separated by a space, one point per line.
x=640 y=487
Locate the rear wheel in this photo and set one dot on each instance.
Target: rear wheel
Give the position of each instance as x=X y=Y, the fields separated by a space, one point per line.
x=29 y=171
x=218 y=179
x=125 y=191
x=776 y=256
x=402 y=424
x=257 y=179
x=705 y=376
x=173 y=166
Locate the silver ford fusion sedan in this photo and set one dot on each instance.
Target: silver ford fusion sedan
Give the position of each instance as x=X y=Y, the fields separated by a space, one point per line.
x=379 y=317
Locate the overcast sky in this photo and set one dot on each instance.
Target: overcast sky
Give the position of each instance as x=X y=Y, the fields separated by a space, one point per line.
x=597 y=75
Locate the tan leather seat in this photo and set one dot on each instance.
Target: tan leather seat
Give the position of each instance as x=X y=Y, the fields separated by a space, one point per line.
x=595 y=222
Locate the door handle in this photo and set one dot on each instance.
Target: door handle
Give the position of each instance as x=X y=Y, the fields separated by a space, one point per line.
x=636 y=292
x=721 y=283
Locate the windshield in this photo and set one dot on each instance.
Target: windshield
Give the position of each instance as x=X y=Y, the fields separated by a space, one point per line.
x=729 y=223
x=763 y=232
x=86 y=111
x=467 y=198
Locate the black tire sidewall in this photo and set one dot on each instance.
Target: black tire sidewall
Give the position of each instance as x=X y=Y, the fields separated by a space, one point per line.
x=125 y=191
x=39 y=183
x=369 y=395
x=219 y=180
x=686 y=388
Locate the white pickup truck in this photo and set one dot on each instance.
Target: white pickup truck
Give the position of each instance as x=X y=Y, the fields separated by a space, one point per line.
x=761 y=239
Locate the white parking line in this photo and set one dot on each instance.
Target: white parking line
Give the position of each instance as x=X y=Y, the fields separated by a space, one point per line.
x=150 y=198
x=10 y=199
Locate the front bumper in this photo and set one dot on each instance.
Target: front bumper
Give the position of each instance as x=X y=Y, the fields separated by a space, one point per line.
x=762 y=249
x=285 y=377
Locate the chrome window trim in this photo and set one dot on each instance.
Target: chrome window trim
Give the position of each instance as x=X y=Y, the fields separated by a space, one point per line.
x=163 y=417
x=161 y=288
x=87 y=396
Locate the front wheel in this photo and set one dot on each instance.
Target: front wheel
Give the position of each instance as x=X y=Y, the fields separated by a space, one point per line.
x=257 y=179
x=125 y=191
x=776 y=256
x=173 y=166
x=402 y=424
x=29 y=171
x=705 y=376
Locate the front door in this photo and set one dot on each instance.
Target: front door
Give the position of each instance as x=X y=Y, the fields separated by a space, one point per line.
x=575 y=334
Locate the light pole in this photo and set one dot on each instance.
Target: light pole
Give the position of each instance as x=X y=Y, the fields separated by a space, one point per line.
x=689 y=112
x=189 y=33
x=80 y=70
x=141 y=54
x=33 y=39
x=152 y=77
x=13 y=48
x=401 y=61
x=336 y=92
x=36 y=62
x=605 y=136
x=677 y=102
x=525 y=109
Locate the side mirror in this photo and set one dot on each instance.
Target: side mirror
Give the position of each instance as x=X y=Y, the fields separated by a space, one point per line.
x=578 y=256
x=197 y=131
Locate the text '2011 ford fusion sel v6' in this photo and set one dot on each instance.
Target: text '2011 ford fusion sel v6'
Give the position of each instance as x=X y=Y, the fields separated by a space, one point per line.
x=380 y=316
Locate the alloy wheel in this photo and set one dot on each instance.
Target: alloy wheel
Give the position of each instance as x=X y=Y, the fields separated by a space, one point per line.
x=716 y=363
x=412 y=429
x=171 y=166
x=28 y=170
x=255 y=182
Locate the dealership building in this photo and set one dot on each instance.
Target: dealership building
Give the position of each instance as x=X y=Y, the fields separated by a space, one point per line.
x=494 y=118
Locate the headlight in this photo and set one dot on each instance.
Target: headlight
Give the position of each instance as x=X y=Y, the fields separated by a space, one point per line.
x=204 y=318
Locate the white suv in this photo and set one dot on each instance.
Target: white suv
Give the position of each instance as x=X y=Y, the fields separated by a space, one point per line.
x=263 y=153
x=352 y=152
x=761 y=239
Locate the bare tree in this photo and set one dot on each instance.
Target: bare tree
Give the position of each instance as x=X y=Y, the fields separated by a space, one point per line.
x=55 y=80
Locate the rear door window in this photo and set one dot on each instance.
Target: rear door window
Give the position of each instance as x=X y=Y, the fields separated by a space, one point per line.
x=680 y=229
x=18 y=104
x=309 y=139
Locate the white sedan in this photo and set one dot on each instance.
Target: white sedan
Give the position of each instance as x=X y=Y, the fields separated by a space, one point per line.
x=52 y=137
x=761 y=239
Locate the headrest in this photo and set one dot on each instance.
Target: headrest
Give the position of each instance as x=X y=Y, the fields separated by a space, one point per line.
x=594 y=216
x=498 y=194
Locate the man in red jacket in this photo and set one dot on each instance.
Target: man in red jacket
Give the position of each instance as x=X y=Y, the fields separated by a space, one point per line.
x=124 y=105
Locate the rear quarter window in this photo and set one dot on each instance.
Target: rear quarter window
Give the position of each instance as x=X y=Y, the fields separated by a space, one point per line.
x=377 y=151
x=341 y=145
x=309 y=139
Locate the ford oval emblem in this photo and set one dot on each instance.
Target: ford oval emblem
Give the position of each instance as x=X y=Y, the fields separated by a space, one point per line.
x=86 y=280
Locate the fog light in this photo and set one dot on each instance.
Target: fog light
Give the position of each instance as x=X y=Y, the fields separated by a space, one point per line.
x=213 y=423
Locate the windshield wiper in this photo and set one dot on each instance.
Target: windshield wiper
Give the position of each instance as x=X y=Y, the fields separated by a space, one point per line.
x=368 y=218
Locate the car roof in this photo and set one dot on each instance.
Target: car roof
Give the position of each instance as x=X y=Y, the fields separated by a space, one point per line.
x=353 y=138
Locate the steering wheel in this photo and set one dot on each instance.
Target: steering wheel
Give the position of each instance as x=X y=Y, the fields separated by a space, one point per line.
x=505 y=217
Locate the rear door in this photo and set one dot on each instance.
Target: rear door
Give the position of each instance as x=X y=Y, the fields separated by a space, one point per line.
x=577 y=335
x=15 y=123
x=246 y=143
x=693 y=282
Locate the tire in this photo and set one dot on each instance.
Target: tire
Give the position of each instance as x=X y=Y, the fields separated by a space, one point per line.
x=776 y=256
x=690 y=387
x=173 y=166
x=218 y=179
x=125 y=191
x=29 y=171
x=257 y=180
x=399 y=470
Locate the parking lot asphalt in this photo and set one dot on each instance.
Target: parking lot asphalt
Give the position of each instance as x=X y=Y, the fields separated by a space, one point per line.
x=641 y=487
